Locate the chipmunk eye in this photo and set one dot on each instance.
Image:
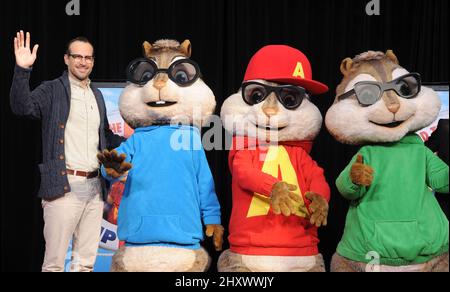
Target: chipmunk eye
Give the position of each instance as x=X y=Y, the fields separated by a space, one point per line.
x=141 y=71
x=408 y=86
x=253 y=93
x=184 y=73
x=405 y=89
x=289 y=100
x=146 y=76
x=181 y=77
x=257 y=96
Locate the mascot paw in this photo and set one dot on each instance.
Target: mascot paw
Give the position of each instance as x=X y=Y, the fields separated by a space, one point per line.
x=216 y=231
x=114 y=164
x=361 y=174
x=319 y=209
x=283 y=200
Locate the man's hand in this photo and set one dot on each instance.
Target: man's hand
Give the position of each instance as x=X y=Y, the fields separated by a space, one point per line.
x=360 y=173
x=114 y=164
x=216 y=231
x=282 y=199
x=319 y=209
x=24 y=57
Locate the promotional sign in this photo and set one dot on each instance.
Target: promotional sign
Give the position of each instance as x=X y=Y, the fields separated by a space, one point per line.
x=442 y=91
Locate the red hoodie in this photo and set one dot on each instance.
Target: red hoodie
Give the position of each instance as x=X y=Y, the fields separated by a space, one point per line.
x=254 y=228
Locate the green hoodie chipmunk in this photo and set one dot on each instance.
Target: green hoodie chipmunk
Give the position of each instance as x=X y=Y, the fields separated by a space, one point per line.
x=394 y=222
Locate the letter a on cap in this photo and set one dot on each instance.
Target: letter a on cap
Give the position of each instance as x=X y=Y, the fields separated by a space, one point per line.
x=299 y=71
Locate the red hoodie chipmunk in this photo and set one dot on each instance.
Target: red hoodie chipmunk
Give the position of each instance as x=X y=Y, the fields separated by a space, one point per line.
x=280 y=195
x=254 y=228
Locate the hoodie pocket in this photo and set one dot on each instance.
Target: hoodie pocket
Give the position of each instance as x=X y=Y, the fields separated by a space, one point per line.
x=398 y=240
x=160 y=229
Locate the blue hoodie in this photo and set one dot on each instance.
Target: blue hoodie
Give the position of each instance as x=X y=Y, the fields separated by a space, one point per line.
x=169 y=190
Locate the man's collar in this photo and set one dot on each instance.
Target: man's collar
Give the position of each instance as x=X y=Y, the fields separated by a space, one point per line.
x=78 y=83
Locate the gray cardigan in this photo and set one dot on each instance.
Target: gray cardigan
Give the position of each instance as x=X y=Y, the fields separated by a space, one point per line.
x=50 y=103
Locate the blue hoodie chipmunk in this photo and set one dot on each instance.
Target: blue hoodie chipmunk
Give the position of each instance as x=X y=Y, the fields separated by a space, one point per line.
x=170 y=188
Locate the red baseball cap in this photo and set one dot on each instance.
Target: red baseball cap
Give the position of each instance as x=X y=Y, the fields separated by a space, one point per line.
x=283 y=64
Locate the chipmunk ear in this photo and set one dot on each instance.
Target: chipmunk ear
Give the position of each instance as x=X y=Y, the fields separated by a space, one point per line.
x=346 y=66
x=186 y=48
x=147 y=47
x=390 y=54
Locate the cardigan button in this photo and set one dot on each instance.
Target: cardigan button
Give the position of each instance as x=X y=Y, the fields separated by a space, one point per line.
x=62 y=126
x=66 y=188
x=61 y=141
x=61 y=157
x=63 y=173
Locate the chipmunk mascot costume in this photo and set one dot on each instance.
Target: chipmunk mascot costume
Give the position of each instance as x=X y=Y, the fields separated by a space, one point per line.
x=394 y=222
x=280 y=195
x=170 y=189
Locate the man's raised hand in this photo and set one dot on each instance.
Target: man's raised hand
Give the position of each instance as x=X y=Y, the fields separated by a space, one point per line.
x=25 y=58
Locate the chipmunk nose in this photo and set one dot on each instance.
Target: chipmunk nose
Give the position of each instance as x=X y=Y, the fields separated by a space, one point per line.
x=270 y=107
x=160 y=81
x=392 y=103
x=160 y=84
x=270 y=111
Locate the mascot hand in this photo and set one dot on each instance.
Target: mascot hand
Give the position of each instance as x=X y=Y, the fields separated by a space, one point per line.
x=215 y=231
x=282 y=199
x=319 y=209
x=115 y=165
x=360 y=173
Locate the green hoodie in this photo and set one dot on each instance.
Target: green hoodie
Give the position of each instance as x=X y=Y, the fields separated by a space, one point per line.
x=397 y=217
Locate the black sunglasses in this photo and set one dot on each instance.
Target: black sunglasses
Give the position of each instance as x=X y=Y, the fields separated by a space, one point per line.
x=368 y=92
x=290 y=96
x=183 y=72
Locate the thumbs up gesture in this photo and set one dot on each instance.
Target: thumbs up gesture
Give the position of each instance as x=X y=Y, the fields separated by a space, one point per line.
x=360 y=173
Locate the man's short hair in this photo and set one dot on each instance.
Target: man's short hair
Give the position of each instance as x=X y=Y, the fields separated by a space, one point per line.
x=78 y=39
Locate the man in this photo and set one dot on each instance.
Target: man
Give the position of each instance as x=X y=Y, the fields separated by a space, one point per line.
x=74 y=129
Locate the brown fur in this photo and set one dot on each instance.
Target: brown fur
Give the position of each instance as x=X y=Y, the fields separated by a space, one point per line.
x=440 y=264
x=319 y=209
x=341 y=264
x=202 y=262
x=118 y=265
x=376 y=64
x=360 y=173
x=231 y=263
x=164 y=51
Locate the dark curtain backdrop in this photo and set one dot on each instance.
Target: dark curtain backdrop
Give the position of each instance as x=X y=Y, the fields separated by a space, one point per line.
x=224 y=35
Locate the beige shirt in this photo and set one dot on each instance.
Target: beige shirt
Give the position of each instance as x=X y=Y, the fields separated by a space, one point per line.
x=82 y=129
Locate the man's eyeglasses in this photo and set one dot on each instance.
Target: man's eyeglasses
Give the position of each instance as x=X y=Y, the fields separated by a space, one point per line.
x=80 y=58
x=183 y=72
x=290 y=96
x=368 y=92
